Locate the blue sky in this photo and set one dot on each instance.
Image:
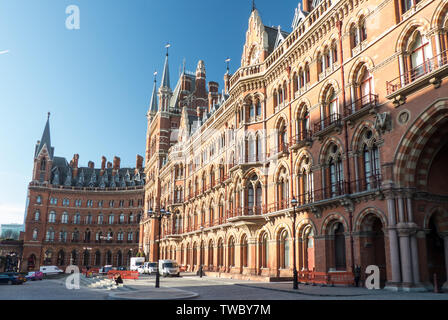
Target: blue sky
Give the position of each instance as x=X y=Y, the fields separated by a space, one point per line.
x=97 y=81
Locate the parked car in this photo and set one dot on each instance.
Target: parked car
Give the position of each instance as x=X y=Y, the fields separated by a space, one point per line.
x=46 y=270
x=6 y=278
x=169 y=268
x=20 y=276
x=121 y=268
x=150 y=267
x=34 y=275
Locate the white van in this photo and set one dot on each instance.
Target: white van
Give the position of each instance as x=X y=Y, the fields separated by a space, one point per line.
x=136 y=262
x=150 y=267
x=50 y=270
x=169 y=268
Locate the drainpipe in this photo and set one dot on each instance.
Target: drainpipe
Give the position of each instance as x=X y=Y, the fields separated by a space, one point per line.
x=339 y=25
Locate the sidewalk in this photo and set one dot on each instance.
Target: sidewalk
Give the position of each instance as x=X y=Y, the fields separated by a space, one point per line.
x=154 y=294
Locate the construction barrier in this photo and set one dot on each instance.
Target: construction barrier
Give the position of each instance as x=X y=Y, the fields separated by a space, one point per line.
x=91 y=272
x=124 y=274
x=329 y=278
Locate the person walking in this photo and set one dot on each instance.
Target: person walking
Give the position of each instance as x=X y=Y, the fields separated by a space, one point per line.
x=357 y=275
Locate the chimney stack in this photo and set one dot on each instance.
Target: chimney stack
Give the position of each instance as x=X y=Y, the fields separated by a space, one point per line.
x=91 y=164
x=103 y=163
x=139 y=162
x=109 y=164
x=116 y=163
x=74 y=164
x=212 y=94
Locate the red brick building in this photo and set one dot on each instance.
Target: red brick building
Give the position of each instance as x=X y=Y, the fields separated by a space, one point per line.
x=346 y=114
x=84 y=216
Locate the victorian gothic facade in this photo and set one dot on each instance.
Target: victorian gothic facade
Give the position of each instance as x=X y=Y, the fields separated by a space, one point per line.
x=82 y=216
x=346 y=114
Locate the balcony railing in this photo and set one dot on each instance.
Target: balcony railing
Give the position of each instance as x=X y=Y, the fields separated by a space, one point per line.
x=303 y=136
x=367 y=101
x=332 y=119
x=414 y=74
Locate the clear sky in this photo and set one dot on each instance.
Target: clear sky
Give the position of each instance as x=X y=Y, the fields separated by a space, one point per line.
x=97 y=81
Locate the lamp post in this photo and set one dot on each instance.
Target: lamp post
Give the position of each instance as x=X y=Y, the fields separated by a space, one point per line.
x=158 y=216
x=295 y=284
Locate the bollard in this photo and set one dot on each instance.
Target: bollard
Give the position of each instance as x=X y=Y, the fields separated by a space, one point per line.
x=436 y=286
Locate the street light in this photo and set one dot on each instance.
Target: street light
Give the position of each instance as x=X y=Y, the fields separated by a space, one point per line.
x=158 y=216
x=294 y=203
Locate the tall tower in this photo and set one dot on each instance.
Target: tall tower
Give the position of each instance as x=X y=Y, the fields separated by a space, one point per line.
x=165 y=92
x=43 y=156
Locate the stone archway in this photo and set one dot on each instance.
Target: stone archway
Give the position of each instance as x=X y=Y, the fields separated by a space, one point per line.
x=372 y=245
x=437 y=248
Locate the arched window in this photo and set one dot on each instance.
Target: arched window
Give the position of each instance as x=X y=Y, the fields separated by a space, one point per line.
x=50 y=235
x=339 y=246
x=305 y=181
x=64 y=218
x=284 y=250
x=280 y=95
x=48 y=258
x=302 y=124
x=220 y=253
x=74 y=258
x=258 y=108
x=121 y=218
x=61 y=258
x=97 y=258
x=43 y=164
x=362 y=29
x=109 y=257
x=87 y=235
x=420 y=52
x=244 y=251
x=100 y=219
x=320 y=64
x=354 y=36
x=370 y=163
x=37 y=215
x=334 y=52
x=334 y=172
x=231 y=251
x=264 y=249
x=210 y=254
x=295 y=83
x=275 y=98
x=282 y=189
x=35 y=234
x=63 y=236
x=77 y=218
x=282 y=136
x=86 y=258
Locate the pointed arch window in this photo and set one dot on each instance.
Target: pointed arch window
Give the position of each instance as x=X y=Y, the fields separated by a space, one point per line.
x=284 y=250
x=244 y=252
x=264 y=251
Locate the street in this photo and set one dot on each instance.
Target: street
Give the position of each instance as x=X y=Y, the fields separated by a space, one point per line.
x=204 y=289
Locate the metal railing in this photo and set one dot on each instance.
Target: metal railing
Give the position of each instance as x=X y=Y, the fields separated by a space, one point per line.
x=414 y=74
x=333 y=118
x=367 y=101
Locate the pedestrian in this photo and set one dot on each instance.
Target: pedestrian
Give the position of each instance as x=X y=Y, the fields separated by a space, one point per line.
x=118 y=279
x=357 y=275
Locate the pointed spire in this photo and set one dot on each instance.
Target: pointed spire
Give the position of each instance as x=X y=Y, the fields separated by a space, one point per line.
x=46 y=140
x=166 y=72
x=153 y=107
x=253 y=5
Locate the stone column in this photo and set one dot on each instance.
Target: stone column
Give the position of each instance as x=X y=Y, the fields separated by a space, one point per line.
x=414 y=245
x=393 y=242
x=405 y=251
